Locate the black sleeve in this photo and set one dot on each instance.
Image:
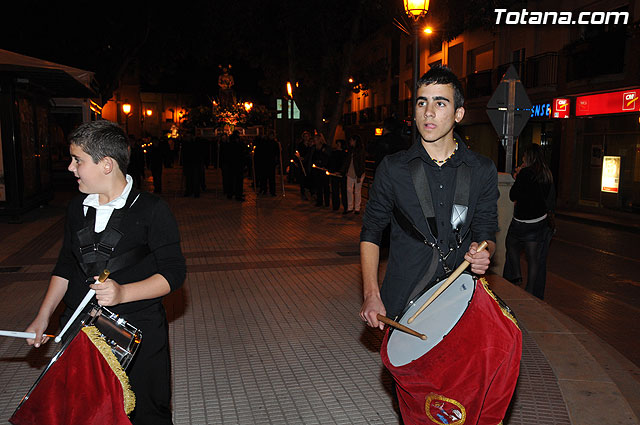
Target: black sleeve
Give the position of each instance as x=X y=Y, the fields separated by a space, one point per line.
x=484 y=224
x=377 y=214
x=66 y=263
x=164 y=243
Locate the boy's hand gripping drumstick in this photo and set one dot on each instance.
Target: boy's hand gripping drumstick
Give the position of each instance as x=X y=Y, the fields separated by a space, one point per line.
x=103 y=276
x=446 y=283
x=385 y=319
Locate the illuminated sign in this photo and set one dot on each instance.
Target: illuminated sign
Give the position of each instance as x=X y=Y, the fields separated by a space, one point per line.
x=560 y=108
x=542 y=110
x=610 y=174
x=608 y=103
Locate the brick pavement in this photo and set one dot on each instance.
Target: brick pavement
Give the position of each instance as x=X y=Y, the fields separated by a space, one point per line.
x=265 y=329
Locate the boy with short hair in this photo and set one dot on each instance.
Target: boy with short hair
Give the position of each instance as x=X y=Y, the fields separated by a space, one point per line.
x=133 y=234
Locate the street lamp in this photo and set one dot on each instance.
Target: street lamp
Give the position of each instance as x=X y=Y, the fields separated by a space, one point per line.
x=416 y=9
x=126 y=109
x=147 y=113
x=290 y=93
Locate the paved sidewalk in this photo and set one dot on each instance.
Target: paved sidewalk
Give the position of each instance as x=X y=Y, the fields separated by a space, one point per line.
x=265 y=329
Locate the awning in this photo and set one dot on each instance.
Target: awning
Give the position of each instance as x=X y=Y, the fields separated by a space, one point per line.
x=59 y=80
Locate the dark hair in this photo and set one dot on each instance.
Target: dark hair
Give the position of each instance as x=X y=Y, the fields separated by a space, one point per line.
x=443 y=75
x=342 y=143
x=534 y=159
x=101 y=139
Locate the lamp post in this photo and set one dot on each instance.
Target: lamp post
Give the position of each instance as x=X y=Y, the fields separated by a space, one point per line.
x=416 y=9
x=147 y=113
x=290 y=93
x=126 y=109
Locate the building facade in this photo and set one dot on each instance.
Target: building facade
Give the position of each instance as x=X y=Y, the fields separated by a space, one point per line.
x=582 y=79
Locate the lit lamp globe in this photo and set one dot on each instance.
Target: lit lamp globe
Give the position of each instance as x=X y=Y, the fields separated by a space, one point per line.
x=416 y=8
x=149 y=112
x=126 y=108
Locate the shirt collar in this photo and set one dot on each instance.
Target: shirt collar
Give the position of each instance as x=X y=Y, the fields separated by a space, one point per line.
x=92 y=200
x=463 y=154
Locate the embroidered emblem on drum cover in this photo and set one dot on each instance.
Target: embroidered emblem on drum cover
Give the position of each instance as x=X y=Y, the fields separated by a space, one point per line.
x=444 y=411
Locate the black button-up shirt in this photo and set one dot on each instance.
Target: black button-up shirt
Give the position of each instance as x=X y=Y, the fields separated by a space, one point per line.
x=393 y=188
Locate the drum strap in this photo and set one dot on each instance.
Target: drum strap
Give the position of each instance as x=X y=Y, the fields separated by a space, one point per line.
x=458 y=210
x=95 y=256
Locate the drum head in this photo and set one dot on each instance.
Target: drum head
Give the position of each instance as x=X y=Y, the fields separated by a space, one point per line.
x=436 y=321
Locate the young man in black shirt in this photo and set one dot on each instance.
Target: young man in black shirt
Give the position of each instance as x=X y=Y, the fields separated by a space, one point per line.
x=440 y=156
x=151 y=262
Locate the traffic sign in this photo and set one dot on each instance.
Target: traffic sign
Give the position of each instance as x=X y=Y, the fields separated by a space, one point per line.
x=509 y=109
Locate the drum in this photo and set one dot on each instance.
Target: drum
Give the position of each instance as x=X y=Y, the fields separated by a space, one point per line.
x=466 y=370
x=121 y=337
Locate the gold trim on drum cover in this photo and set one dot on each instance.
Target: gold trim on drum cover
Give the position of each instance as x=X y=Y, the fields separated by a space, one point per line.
x=98 y=340
x=506 y=312
x=433 y=396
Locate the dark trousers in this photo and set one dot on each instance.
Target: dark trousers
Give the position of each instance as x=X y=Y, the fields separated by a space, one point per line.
x=541 y=281
x=150 y=371
x=227 y=185
x=193 y=179
x=338 y=192
x=267 y=179
x=237 y=182
x=322 y=188
x=156 y=172
x=530 y=237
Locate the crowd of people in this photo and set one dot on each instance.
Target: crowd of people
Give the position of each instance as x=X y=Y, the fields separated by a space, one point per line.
x=330 y=177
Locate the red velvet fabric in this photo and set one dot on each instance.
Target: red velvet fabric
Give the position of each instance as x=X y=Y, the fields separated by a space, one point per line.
x=470 y=376
x=79 y=388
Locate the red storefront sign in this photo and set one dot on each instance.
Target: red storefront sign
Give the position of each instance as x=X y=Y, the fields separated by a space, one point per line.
x=608 y=103
x=560 y=108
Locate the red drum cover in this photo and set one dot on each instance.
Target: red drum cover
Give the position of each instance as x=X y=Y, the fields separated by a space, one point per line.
x=79 y=388
x=470 y=376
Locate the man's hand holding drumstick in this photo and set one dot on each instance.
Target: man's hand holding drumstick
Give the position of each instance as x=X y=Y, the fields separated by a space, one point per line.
x=369 y=255
x=480 y=261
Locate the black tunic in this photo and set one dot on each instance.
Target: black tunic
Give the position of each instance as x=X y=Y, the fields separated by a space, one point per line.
x=147 y=222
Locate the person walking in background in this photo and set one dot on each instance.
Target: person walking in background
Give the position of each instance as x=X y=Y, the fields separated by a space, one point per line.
x=266 y=157
x=225 y=165
x=337 y=158
x=136 y=164
x=354 y=170
x=237 y=157
x=530 y=228
x=300 y=163
x=155 y=159
x=193 y=165
x=320 y=159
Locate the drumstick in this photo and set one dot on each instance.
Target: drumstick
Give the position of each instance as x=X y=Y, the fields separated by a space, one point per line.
x=446 y=283
x=103 y=276
x=403 y=328
x=25 y=335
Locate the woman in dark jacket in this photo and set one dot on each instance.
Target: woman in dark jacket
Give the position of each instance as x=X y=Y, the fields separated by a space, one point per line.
x=354 y=170
x=533 y=196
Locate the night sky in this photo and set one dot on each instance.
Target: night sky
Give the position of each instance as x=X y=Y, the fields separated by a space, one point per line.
x=178 y=49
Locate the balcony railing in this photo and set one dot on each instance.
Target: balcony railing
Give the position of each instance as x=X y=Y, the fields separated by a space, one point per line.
x=536 y=71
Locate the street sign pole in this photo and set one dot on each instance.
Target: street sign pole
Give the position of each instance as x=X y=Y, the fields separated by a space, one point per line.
x=509 y=136
x=509 y=110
